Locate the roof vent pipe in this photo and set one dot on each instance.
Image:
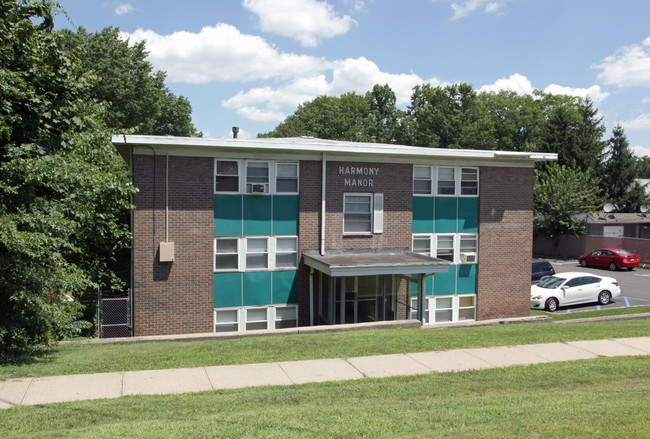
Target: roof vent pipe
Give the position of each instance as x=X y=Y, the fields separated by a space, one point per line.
x=235 y=131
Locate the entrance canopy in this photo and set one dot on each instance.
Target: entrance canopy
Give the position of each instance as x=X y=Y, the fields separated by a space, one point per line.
x=369 y=262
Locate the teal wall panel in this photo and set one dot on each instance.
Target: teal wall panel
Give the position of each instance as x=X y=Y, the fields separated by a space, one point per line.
x=468 y=215
x=285 y=215
x=285 y=287
x=227 y=290
x=446 y=209
x=227 y=215
x=428 y=287
x=422 y=214
x=445 y=283
x=466 y=279
x=257 y=215
x=257 y=288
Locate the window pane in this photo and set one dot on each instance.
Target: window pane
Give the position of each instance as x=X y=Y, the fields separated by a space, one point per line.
x=443 y=303
x=422 y=186
x=256 y=245
x=288 y=313
x=225 y=167
x=287 y=244
x=357 y=226
x=254 y=315
x=226 y=246
x=287 y=170
x=226 y=261
x=422 y=245
x=287 y=260
x=422 y=172
x=256 y=261
x=226 y=328
x=466 y=314
x=446 y=188
x=446 y=174
x=256 y=325
x=226 y=184
x=227 y=316
x=443 y=316
x=257 y=172
x=287 y=185
x=285 y=324
x=468 y=174
x=470 y=188
x=467 y=244
x=465 y=301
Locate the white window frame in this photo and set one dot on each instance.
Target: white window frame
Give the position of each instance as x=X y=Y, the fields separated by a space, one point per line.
x=460 y=182
x=455 y=308
x=454 y=181
x=249 y=186
x=238 y=253
x=468 y=257
x=422 y=237
x=248 y=253
x=239 y=176
x=370 y=212
x=275 y=252
x=429 y=179
x=454 y=243
x=242 y=314
x=276 y=177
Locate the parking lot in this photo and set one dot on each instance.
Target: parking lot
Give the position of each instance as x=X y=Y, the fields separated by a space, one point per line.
x=635 y=286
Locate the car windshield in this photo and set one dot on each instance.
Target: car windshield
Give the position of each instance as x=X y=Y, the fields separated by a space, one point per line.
x=551 y=282
x=623 y=252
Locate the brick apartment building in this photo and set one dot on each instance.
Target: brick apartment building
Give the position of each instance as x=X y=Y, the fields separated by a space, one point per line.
x=247 y=234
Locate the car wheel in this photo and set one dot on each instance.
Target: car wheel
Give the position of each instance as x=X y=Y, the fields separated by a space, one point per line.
x=612 y=266
x=583 y=262
x=630 y=268
x=551 y=304
x=604 y=297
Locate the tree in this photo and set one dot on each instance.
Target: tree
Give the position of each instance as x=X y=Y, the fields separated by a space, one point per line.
x=620 y=173
x=136 y=98
x=560 y=194
x=64 y=192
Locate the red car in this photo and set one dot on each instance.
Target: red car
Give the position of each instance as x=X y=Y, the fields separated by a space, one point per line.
x=613 y=258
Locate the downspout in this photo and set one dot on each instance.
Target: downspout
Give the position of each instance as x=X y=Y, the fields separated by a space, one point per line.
x=167 y=199
x=322 y=207
x=311 y=297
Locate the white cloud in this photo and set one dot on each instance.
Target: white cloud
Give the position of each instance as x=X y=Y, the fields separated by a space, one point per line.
x=522 y=86
x=641 y=122
x=268 y=104
x=222 y=53
x=594 y=92
x=516 y=82
x=124 y=8
x=304 y=20
x=640 y=151
x=629 y=66
x=463 y=9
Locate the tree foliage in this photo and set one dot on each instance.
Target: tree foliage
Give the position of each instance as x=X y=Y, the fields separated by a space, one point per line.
x=561 y=193
x=135 y=97
x=64 y=192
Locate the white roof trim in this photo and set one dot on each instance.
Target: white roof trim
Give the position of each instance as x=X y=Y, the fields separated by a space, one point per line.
x=313 y=145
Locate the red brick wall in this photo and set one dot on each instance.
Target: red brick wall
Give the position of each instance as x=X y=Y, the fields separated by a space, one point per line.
x=393 y=180
x=173 y=297
x=505 y=242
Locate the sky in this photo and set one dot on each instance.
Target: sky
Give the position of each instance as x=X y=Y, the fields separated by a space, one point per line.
x=250 y=63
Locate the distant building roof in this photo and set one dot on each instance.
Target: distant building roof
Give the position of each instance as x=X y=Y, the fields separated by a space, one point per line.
x=618 y=218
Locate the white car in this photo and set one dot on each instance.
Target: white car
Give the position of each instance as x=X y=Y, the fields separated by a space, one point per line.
x=572 y=288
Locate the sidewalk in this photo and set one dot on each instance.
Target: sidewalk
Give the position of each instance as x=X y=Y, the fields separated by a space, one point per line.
x=52 y=389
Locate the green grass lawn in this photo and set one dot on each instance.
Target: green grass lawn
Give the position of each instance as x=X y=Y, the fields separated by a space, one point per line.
x=559 y=315
x=599 y=398
x=78 y=359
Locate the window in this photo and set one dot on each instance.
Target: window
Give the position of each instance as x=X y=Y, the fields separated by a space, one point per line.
x=422 y=181
x=445 y=247
x=257 y=255
x=444 y=311
x=226 y=254
x=446 y=181
x=357 y=213
x=259 y=317
x=286 y=253
x=226 y=177
x=422 y=245
x=469 y=181
x=467 y=307
x=468 y=248
x=286 y=178
x=257 y=177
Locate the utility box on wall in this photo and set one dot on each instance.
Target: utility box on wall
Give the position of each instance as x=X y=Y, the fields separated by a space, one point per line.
x=166 y=252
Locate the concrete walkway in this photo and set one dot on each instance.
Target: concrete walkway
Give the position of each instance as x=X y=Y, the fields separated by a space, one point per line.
x=52 y=389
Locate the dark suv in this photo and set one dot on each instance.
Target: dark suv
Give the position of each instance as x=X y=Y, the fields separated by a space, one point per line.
x=541 y=268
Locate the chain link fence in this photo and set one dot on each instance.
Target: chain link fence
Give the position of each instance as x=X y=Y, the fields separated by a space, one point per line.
x=114 y=312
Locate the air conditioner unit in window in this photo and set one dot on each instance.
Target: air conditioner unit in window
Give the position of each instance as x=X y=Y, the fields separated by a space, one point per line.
x=468 y=258
x=257 y=188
